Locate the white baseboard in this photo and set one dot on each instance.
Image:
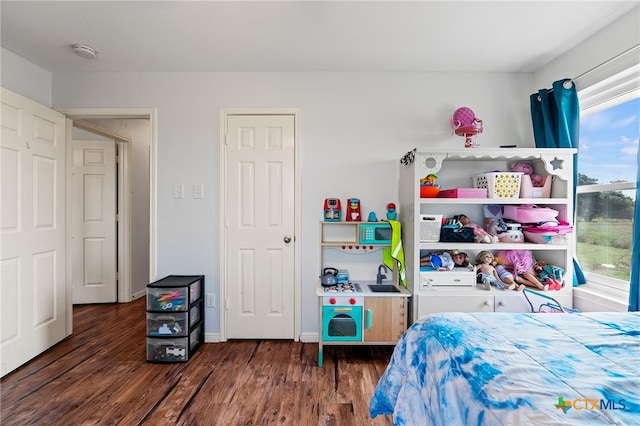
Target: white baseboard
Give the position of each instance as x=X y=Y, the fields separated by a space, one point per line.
x=138 y=295
x=309 y=337
x=304 y=337
x=212 y=337
x=590 y=300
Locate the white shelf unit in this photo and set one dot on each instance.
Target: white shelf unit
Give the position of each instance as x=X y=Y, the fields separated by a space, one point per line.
x=455 y=169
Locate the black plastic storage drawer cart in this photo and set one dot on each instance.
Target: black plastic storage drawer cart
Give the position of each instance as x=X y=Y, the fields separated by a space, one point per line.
x=175 y=318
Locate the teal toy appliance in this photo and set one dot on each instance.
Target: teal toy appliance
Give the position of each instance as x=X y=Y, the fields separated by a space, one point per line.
x=332 y=210
x=343 y=276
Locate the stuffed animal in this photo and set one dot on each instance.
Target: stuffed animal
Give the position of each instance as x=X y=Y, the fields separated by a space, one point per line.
x=527 y=168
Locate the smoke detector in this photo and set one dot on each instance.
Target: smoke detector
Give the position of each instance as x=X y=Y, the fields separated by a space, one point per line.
x=84 y=51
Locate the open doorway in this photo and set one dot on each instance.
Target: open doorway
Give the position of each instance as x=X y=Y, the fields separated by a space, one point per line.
x=133 y=131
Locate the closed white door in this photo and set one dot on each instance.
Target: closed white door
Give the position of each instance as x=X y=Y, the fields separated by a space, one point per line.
x=260 y=226
x=34 y=302
x=93 y=222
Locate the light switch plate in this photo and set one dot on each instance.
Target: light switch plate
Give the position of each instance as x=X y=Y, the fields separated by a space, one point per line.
x=198 y=191
x=178 y=190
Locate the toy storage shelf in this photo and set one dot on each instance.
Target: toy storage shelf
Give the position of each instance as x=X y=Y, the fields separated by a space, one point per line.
x=456 y=169
x=175 y=318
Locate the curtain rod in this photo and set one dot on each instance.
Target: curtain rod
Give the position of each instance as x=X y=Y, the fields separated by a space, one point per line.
x=571 y=81
x=608 y=61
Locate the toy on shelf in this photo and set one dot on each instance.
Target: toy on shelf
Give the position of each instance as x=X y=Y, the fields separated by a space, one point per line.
x=372 y=217
x=391 y=211
x=428 y=186
x=332 y=210
x=479 y=234
x=493 y=222
x=429 y=179
x=521 y=263
x=446 y=260
x=550 y=274
x=353 y=211
x=465 y=123
x=527 y=168
x=488 y=274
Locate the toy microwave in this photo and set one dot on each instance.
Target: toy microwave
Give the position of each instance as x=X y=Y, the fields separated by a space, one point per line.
x=375 y=233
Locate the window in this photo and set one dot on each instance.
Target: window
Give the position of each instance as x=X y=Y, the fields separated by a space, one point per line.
x=607 y=172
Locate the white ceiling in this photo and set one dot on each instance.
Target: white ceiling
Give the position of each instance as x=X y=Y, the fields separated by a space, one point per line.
x=172 y=36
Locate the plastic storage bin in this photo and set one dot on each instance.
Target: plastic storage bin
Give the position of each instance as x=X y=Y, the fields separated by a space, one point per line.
x=499 y=184
x=175 y=318
x=167 y=324
x=194 y=315
x=548 y=234
x=167 y=350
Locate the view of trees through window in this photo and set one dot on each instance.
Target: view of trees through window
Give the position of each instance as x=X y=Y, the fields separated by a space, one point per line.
x=607 y=166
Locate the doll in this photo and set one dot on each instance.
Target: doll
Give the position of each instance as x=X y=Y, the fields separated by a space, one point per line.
x=527 y=168
x=550 y=274
x=521 y=264
x=505 y=275
x=445 y=261
x=479 y=234
x=489 y=275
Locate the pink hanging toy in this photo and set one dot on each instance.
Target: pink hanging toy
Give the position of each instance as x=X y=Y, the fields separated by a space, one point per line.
x=465 y=123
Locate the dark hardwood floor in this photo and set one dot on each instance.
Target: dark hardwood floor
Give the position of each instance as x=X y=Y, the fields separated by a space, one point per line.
x=99 y=376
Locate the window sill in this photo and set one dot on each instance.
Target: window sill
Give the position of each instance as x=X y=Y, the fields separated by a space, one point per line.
x=593 y=297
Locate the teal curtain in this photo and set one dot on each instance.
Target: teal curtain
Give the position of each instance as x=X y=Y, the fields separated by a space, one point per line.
x=555 y=114
x=634 y=285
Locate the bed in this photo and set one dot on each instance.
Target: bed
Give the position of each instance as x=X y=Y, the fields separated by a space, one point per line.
x=514 y=369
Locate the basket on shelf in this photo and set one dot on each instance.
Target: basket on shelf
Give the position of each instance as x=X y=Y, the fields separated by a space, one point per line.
x=499 y=184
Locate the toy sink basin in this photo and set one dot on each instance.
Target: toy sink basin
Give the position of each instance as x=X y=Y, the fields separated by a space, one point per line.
x=429 y=191
x=383 y=288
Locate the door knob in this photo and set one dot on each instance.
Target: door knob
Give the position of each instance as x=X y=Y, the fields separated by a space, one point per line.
x=287 y=239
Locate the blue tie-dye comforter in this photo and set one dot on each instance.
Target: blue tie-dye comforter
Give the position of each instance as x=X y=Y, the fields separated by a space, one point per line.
x=514 y=369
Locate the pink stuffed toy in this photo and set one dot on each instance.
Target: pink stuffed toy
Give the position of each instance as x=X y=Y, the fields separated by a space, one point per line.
x=527 y=168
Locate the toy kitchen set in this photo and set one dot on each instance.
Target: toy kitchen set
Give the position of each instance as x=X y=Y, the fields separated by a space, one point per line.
x=360 y=299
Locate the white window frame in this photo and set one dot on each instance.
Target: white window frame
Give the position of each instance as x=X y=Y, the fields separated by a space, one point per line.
x=591 y=277
x=613 y=88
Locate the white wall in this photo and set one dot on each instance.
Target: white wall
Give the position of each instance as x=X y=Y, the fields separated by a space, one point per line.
x=354 y=129
x=616 y=38
x=24 y=77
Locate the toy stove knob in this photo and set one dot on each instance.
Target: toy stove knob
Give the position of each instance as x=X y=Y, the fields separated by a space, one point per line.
x=332 y=300
x=352 y=301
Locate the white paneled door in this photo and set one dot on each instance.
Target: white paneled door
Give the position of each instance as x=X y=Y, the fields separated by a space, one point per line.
x=34 y=302
x=260 y=226
x=93 y=222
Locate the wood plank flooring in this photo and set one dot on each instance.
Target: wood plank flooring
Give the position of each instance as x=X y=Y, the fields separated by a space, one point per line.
x=99 y=376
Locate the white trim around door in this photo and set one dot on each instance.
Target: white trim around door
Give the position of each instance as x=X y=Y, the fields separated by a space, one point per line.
x=82 y=114
x=224 y=115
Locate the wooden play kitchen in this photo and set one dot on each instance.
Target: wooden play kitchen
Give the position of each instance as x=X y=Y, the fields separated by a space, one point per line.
x=353 y=311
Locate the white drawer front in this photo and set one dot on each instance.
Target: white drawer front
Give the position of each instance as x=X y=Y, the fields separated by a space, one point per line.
x=432 y=305
x=446 y=279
